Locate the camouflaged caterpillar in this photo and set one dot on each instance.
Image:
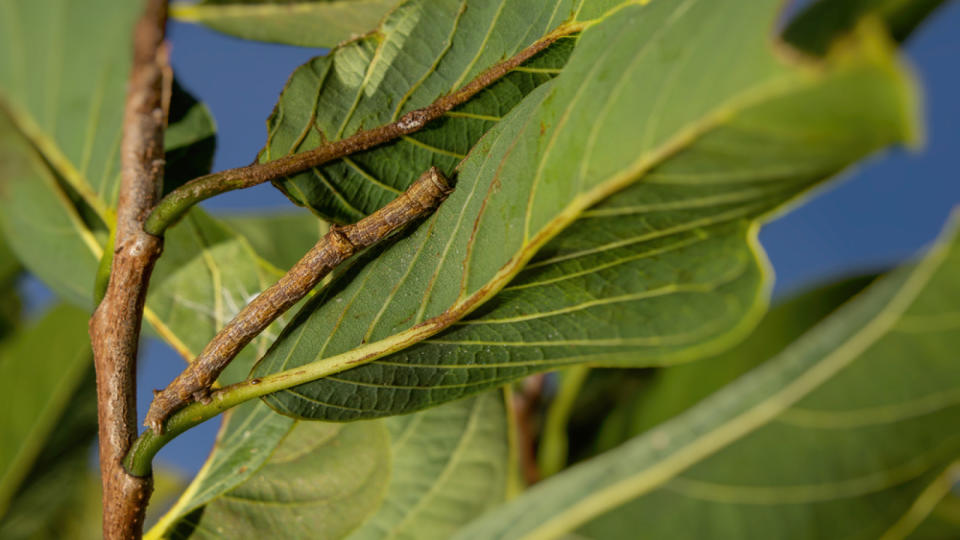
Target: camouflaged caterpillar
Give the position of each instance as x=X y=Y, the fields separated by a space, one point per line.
x=421 y=198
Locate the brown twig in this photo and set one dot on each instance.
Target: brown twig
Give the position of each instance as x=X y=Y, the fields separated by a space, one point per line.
x=115 y=325
x=525 y=406
x=334 y=248
x=180 y=200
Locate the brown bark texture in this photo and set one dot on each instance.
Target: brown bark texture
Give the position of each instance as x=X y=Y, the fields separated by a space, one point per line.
x=115 y=325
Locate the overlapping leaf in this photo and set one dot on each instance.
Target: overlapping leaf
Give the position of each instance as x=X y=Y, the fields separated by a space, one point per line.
x=38 y=392
x=417 y=476
x=717 y=131
x=280 y=238
x=667 y=392
x=59 y=169
x=839 y=436
x=308 y=23
x=55 y=500
x=449 y=465
x=422 y=51
x=322 y=477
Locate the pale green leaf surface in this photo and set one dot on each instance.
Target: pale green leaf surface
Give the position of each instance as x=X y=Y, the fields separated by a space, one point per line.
x=446 y=466
x=207 y=272
x=422 y=51
x=206 y=275
x=50 y=502
x=838 y=436
x=58 y=192
x=322 y=478
x=665 y=270
x=63 y=74
x=40 y=368
x=38 y=214
x=449 y=465
x=307 y=23
x=666 y=392
x=281 y=238
x=249 y=435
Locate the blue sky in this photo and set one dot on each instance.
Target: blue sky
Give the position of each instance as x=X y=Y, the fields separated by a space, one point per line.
x=882 y=212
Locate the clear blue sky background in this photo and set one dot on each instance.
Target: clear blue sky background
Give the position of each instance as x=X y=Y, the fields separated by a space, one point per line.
x=883 y=212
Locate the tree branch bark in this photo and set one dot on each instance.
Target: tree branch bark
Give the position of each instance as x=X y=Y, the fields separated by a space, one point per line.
x=115 y=325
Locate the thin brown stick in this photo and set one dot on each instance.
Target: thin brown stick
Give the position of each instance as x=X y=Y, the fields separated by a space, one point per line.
x=336 y=246
x=526 y=403
x=180 y=200
x=115 y=325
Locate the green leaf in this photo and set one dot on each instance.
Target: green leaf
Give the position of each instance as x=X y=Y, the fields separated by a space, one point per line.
x=41 y=220
x=840 y=435
x=59 y=164
x=189 y=141
x=281 y=238
x=446 y=466
x=63 y=79
x=422 y=51
x=943 y=523
x=307 y=23
x=38 y=376
x=247 y=439
x=206 y=275
x=323 y=477
x=665 y=268
x=667 y=392
x=57 y=194
x=50 y=501
x=825 y=20
x=449 y=465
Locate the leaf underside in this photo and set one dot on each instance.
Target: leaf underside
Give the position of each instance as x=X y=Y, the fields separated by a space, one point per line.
x=635 y=180
x=839 y=436
x=415 y=476
x=307 y=23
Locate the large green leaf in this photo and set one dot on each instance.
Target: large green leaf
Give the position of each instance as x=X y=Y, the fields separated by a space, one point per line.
x=49 y=502
x=308 y=23
x=40 y=369
x=446 y=466
x=665 y=268
x=449 y=465
x=206 y=275
x=59 y=166
x=423 y=50
x=63 y=79
x=665 y=393
x=56 y=197
x=845 y=434
x=247 y=439
x=323 y=479
x=281 y=237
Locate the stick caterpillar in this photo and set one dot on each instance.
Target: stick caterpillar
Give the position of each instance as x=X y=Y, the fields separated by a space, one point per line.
x=340 y=243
